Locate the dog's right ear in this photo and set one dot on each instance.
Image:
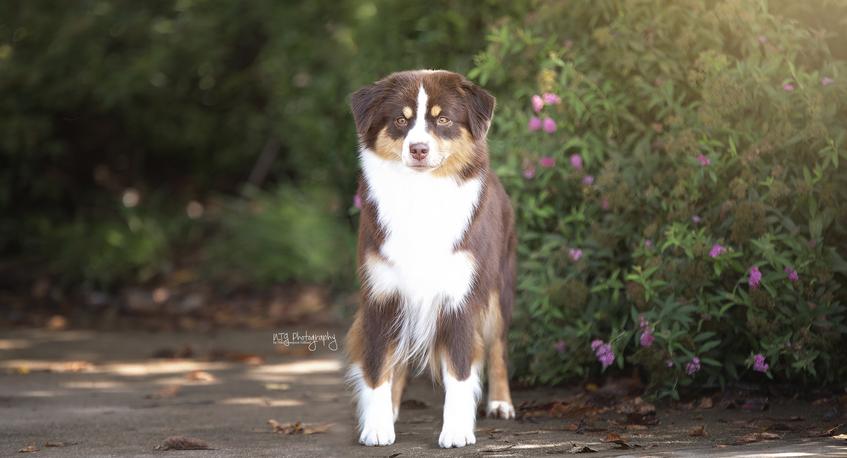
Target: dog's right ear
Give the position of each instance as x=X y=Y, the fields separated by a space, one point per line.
x=364 y=102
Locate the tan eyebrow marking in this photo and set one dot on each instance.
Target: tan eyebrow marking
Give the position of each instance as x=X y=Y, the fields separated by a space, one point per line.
x=407 y=112
x=436 y=110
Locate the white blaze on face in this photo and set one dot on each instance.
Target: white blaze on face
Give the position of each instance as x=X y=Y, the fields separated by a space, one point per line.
x=419 y=134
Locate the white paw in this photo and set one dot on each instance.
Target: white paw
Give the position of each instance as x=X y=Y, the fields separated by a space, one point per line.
x=377 y=434
x=500 y=409
x=456 y=436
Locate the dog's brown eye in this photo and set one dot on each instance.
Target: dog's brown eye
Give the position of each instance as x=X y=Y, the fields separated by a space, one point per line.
x=443 y=121
x=401 y=121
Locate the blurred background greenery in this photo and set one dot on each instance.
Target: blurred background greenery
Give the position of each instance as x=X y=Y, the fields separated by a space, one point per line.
x=198 y=156
x=139 y=138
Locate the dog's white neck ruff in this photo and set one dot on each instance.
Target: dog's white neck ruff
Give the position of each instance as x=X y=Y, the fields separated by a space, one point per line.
x=424 y=218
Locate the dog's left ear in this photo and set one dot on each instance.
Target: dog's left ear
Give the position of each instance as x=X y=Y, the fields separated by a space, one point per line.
x=480 y=108
x=363 y=103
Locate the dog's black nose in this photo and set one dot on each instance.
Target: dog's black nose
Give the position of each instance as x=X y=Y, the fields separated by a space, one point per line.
x=419 y=151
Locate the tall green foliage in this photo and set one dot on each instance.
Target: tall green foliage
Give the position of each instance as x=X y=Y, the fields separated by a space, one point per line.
x=178 y=98
x=680 y=190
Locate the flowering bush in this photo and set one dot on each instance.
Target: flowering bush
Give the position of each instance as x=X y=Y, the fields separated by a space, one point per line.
x=677 y=170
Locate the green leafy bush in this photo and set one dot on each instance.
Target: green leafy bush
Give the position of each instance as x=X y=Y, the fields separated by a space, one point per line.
x=180 y=98
x=680 y=189
x=282 y=236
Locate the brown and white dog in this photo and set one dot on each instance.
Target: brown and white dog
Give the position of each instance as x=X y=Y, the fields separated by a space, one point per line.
x=436 y=253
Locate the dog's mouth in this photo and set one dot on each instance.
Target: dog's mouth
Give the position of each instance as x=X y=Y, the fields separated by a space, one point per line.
x=421 y=167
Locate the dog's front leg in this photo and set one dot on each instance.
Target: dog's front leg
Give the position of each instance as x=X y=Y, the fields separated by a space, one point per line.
x=461 y=361
x=371 y=342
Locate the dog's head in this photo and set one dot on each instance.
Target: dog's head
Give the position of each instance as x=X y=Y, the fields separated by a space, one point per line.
x=430 y=121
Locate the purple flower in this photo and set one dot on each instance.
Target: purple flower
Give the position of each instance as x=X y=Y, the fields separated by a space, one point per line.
x=647 y=338
x=788 y=87
x=551 y=98
x=604 y=204
x=669 y=363
x=704 y=160
x=357 y=201
x=529 y=172
x=576 y=161
x=560 y=346
x=755 y=277
x=693 y=366
x=588 y=180
x=696 y=219
x=826 y=81
x=792 y=274
x=595 y=344
x=759 y=364
x=648 y=244
x=716 y=250
x=549 y=125
x=547 y=162
x=534 y=124
x=604 y=352
x=575 y=254
x=537 y=103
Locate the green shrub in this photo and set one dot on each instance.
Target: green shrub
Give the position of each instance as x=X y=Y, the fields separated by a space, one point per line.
x=132 y=244
x=696 y=146
x=286 y=235
x=181 y=97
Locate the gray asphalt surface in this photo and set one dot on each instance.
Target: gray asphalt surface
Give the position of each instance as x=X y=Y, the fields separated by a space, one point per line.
x=102 y=394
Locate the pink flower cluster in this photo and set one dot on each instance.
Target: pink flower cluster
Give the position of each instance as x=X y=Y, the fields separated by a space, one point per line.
x=754 y=278
x=792 y=274
x=759 y=364
x=716 y=250
x=575 y=254
x=693 y=366
x=604 y=352
x=547 y=124
x=547 y=162
x=647 y=337
x=538 y=102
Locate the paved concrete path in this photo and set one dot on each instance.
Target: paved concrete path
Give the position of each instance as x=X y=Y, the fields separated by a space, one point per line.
x=102 y=394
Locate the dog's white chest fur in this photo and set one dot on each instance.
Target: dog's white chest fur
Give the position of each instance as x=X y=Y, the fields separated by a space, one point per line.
x=424 y=218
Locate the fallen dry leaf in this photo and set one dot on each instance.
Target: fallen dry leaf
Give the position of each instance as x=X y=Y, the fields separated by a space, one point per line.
x=413 y=404
x=183 y=443
x=299 y=428
x=827 y=432
x=58 y=444
x=496 y=449
x=706 y=403
x=168 y=391
x=648 y=419
x=612 y=437
x=698 y=431
x=236 y=357
x=757 y=437
x=200 y=376
x=615 y=438
x=316 y=428
x=31 y=448
x=581 y=449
